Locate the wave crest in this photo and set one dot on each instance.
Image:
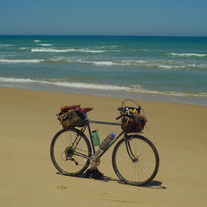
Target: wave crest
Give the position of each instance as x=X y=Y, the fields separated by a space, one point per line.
x=45 y=45
x=21 y=61
x=65 y=50
x=188 y=54
x=106 y=87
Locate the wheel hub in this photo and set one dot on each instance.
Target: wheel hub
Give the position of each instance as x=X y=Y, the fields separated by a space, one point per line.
x=135 y=160
x=69 y=152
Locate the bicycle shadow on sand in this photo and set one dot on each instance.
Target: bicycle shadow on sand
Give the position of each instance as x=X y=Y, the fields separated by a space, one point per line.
x=152 y=185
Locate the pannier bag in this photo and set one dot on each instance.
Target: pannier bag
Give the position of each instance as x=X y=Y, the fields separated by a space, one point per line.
x=71 y=118
x=133 y=123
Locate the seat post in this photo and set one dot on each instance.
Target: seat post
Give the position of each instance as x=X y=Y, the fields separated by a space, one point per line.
x=89 y=131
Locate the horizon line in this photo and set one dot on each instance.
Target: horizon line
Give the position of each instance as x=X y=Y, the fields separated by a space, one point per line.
x=101 y=35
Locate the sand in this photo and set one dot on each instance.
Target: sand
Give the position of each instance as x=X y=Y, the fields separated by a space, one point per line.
x=28 y=177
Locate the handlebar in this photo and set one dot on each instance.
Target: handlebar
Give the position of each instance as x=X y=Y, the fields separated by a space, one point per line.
x=119 y=117
x=128 y=111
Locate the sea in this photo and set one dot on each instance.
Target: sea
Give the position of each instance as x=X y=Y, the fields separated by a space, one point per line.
x=169 y=69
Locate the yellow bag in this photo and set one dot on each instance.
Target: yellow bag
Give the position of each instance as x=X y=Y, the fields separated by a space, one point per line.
x=133 y=123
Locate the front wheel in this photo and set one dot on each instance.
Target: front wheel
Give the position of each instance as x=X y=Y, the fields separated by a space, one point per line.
x=70 y=151
x=135 y=160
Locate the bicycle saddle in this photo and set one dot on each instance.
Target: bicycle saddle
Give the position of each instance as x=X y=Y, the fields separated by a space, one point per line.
x=76 y=107
x=84 y=110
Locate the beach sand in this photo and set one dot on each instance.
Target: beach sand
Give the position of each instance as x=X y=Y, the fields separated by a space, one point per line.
x=28 y=178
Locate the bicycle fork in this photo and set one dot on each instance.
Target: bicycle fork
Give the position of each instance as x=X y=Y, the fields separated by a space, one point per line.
x=129 y=151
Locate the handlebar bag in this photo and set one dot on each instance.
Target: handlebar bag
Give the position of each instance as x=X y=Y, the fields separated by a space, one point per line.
x=71 y=119
x=133 y=123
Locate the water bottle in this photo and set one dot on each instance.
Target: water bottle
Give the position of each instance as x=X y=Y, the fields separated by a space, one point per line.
x=106 y=141
x=95 y=138
x=94 y=161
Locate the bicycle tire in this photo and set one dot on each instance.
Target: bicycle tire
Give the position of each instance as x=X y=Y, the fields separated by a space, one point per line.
x=140 y=165
x=66 y=159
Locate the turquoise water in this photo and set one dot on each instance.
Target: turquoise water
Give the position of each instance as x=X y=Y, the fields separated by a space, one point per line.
x=163 y=68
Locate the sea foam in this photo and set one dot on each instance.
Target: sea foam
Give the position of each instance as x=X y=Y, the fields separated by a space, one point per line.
x=65 y=50
x=106 y=87
x=45 y=45
x=188 y=54
x=20 y=61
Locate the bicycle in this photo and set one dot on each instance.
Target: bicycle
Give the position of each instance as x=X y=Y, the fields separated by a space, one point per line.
x=135 y=159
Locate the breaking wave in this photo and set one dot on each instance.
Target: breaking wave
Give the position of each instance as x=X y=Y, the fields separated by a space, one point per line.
x=106 y=87
x=65 y=50
x=20 y=61
x=45 y=45
x=151 y=64
x=188 y=54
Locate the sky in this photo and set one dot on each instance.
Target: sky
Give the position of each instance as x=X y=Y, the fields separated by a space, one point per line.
x=104 y=17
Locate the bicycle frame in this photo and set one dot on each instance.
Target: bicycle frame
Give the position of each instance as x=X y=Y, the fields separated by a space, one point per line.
x=100 y=122
x=87 y=125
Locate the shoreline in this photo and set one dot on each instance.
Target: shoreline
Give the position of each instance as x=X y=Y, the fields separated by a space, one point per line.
x=202 y=101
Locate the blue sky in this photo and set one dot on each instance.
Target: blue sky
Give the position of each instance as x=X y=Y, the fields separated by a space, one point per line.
x=104 y=17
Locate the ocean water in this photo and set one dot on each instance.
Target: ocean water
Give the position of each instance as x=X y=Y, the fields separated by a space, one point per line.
x=151 y=68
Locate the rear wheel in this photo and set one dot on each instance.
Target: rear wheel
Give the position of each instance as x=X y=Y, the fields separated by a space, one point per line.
x=70 y=151
x=135 y=160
